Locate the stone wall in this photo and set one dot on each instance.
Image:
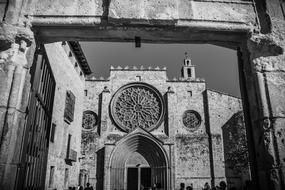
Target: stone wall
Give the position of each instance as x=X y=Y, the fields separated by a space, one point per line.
x=67 y=78
x=196 y=160
x=236 y=151
x=192 y=160
x=92 y=147
x=222 y=108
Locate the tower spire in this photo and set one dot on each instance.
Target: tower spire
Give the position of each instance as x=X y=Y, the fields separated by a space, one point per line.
x=188 y=69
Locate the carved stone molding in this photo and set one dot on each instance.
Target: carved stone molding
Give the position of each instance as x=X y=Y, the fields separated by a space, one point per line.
x=10 y=34
x=137 y=105
x=16 y=55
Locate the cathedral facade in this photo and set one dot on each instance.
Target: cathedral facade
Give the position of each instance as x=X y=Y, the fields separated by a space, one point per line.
x=141 y=129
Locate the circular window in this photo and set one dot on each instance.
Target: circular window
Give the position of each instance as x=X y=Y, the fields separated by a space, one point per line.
x=89 y=120
x=137 y=105
x=191 y=119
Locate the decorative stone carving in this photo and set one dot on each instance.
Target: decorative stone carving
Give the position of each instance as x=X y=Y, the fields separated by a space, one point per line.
x=191 y=119
x=137 y=105
x=16 y=55
x=90 y=120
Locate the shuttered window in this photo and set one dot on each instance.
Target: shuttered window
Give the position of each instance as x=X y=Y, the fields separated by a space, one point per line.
x=69 y=106
x=52 y=132
x=51 y=176
x=68 y=146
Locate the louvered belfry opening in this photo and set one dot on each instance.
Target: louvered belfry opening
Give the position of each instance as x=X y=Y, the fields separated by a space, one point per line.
x=153 y=154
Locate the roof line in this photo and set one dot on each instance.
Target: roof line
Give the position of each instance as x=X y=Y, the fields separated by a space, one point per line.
x=224 y=93
x=77 y=50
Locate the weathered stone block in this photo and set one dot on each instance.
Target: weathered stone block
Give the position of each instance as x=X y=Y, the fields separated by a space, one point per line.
x=68 y=7
x=224 y=11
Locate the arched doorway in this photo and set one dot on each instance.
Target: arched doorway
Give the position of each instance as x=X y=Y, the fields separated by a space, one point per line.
x=138 y=161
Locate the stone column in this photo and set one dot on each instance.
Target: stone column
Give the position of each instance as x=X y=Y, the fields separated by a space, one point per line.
x=105 y=97
x=14 y=92
x=171 y=113
x=264 y=74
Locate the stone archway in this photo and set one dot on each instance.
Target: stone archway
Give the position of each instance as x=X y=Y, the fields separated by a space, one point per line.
x=255 y=27
x=150 y=149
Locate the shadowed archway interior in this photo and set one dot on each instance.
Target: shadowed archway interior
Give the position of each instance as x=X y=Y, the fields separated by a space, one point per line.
x=149 y=149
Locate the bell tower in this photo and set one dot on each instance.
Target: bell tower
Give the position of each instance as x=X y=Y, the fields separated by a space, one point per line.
x=188 y=69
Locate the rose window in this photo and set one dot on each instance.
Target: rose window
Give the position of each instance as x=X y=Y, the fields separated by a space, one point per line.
x=89 y=120
x=191 y=119
x=137 y=105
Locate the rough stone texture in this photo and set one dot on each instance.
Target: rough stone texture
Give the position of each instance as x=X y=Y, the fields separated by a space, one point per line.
x=192 y=160
x=14 y=88
x=73 y=7
x=236 y=151
x=168 y=20
x=67 y=77
x=221 y=108
x=191 y=154
x=240 y=12
x=11 y=34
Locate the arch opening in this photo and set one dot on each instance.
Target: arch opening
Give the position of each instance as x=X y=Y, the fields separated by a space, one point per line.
x=138 y=162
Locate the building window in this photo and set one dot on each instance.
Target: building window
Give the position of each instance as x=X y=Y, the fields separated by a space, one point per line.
x=51 y=176
x=86 y=92
x=71 y=155
x=189 y=72
x=68 y=146
x=137 y=41
x=138 y=78
x=66 y=176
x=52 y=132
x=69 y=106
x=190 y=93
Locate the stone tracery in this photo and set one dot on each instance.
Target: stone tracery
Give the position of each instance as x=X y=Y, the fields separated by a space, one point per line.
x=191 y=119
x=137 y=105
x=89 y=120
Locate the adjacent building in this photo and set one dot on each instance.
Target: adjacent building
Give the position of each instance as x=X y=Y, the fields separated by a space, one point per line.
x=69 y=67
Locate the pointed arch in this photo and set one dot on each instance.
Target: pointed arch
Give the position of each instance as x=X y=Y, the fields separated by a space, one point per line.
x=146 y=145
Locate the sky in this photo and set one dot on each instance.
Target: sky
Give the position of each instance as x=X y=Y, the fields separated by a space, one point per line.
x=217 y=65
